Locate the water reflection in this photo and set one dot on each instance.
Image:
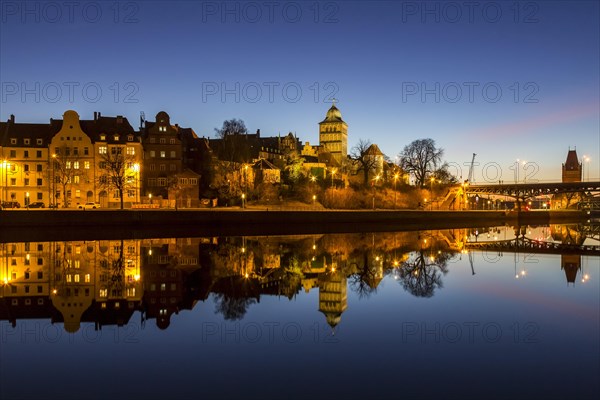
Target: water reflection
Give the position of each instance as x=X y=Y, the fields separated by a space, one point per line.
x=106 y=282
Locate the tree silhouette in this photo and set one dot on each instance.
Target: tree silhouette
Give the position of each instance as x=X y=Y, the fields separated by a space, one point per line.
x=421 y=159
x=420 y=274
x=366 y=161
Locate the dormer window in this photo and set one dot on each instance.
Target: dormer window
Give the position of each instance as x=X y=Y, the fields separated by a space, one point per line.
x=116 y=138
x=102 y=137
x=26 y=141
x=162 y=128
x=39 y=142
x=13 y=141
x=130 y=138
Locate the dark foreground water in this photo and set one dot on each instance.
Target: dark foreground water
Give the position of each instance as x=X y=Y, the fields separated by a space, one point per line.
x=481 y=314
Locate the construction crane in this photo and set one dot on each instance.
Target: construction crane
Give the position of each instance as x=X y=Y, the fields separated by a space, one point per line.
x=471 y=169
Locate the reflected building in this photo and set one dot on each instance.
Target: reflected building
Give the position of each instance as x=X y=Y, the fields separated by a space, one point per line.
x=333 y=297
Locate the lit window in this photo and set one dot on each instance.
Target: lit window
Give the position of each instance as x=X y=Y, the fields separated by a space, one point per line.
x=76 y=277
x=103 y=293
x=68 y=276
x=163 y=287
x=102 y=150
x=102 y=137
x=75 y=164
x=77 y=192
x=163 y=154
x=86 y=164
x=130 y=151
x=68 y=165
x=152 y=153
x=87 y=278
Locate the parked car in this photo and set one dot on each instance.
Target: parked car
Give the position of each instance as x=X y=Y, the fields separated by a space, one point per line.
x=11 y=204
x=90 y=205
x=37 y=204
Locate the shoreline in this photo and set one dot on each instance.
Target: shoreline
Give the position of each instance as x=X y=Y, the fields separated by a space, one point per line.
x=40 y=225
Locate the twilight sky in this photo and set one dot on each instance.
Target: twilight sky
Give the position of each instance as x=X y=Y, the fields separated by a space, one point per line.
x=506 y=80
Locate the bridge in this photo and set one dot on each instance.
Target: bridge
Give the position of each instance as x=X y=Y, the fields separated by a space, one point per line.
x=526 y=245
x=523 y=191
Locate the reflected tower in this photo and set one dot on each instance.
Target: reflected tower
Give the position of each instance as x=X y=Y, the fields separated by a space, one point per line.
x=333 y=298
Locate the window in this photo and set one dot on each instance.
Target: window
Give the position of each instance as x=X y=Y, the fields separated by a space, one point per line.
x=102 y=150
x=67 y=151
x=77 y=192
x=26 y=182
x=193 y=181
x=102 y=137
x=39 y=289
x=68 y=277
x=173 y=154
x=152 y=153
x=130 y=151
x=163 y=154
x=26 y=167
x=26 y=290
x=13 y=182
x=26 y=275
x=27 y=141
x=162 y=181
x=102 y=164
x=39 y=182
x=163 y=167
x=40 y=196
x=26 y=154
x=38 y=153
x=130 y=138
x=75 y=164
x=152 y=140
x=76 y=278
x=39 y=142
x=171 y=141
x=116 y=138
x=38 y=167
x=163 y=287
x=152 y=167
x=86 y=165
x=103 y=293
x=40 y=261
x=152 y=182
x=13 y=141
x=40 y=275
x=173 y=167
x=68 y=165
x=86 y=151
x=163 y=140
x=13 y=153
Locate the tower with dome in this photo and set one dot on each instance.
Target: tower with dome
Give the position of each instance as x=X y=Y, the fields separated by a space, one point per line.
x=333 y=134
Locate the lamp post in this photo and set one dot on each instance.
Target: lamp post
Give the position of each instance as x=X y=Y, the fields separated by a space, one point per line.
x=27 y=199
x=587 y=168
x=396 y=176
x=375 y=180
x=333 y=171
x=150 y=197
x=243 y=200
x=136 y=169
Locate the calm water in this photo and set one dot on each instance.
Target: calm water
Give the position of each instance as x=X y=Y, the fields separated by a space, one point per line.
x=465 y=313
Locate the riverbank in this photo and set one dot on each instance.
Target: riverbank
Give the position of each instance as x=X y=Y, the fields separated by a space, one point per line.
x=98 y=224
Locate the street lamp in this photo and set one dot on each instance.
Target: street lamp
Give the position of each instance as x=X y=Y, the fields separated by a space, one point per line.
x=587 y=169
x=136 y=169
x=27 y=199
x=243 y=200
x=333 y=171
x=375 y=180
x=150 y=197
x=396 y=176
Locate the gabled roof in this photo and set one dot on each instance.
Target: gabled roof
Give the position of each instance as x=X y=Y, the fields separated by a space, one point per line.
x=12 y=130
x=374 y=150
x=572 y=160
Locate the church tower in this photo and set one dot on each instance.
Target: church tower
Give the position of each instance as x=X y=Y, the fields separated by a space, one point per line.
x=333 y=134
x=572 y=168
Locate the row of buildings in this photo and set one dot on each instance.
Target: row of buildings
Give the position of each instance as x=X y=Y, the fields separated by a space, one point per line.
x=71 y=161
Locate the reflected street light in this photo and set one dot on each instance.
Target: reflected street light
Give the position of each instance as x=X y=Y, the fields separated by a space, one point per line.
x=136 y=169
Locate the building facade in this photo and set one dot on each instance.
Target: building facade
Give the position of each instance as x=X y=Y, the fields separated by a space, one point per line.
x=333 y=135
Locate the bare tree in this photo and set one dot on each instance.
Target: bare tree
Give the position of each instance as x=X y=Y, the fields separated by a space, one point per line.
x=117 y=171
x=174 y=187
x=421 y=274
x=66 y=170
x=234 y=144
x=231 y=127
x=366 y=161
x=420 y=158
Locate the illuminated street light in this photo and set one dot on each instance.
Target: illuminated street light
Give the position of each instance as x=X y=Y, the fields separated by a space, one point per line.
x=396 y=176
